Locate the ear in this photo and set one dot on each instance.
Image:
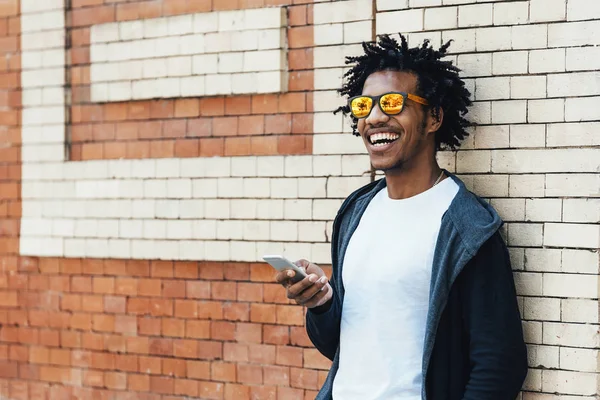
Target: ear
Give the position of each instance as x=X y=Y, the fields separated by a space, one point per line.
x=434 y=123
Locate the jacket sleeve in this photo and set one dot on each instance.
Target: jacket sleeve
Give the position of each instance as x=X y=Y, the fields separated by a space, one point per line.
x=324 y=328
x=497 y=351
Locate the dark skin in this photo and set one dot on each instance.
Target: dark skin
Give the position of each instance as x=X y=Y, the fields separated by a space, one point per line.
x=409 y=164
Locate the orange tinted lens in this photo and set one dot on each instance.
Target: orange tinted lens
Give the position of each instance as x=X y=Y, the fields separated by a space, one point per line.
x=391 y=103
x=361 y=106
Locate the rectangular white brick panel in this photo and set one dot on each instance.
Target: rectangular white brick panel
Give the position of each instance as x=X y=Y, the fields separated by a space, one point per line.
x=586 y=185
x=547 y=10
x=409 y=20
x=575 y=335
x=343 y=11
x=519 y=161
x=572 y=235
x=574 y=34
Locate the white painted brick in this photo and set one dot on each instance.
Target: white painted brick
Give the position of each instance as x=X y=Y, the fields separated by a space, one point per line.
x=532 y=332
x=270 y=39
x=527 y=87
x=330 y=78
x=311 y=231
x=156 y=27
x=492 y=88
x=180 y=25
x=493 y=39
x=547 y=10
x=128 y=30
x=130 y=229
x=556 y=160
x=296 y=251
x=263 y=60
x=510 y=209
x=464 y=40
x=297 y=209
x=582 y=9
x=167 y=209
x=409 y=20
x=489 y=137
x=205 y=22
x=491 y=185
x=543 y=260
x=60 y=227
x=311 y=187
x=264 y=18
x=542 y=210
x=205 y=64
x=119 y=248
x=230 y=187
x=572 y=185
x=510 y=62
x=475 y=15
x=511 y=13
x=481 y=112
x=270 y=166
x=344 y=11
x=107 y=228
x=216 y=208
x=543 y=356
x=583 y=58
x=327 y=123
x=256 y=230
x=509 y=112
x=256 y=187
x=269 y=209
x=581 y=210
x=579 y=261
x=341 y=187
x=579 y=310
x=329 y=56
x=541 y=309
x=204 y=229
x=337 y=144
x=574 y=34
x=357 y=32
x=325 y=99
x=286 y=188
x=525 y=234
x=574 y=84
x=104 y=33
x=218 y=84
x=155 y=229
x=441 y=18
x=243 y=166
x=569 y=382
x=284 y=231
x=416 y=39
x=179 y=66
x=582 y=109
x=191 y=250
x=155 y=188
x=232 y=62
x=547 y=60
x=298 y=166
x=217 y=251
x=473 y=161
x=517 y=260
x=571 y=235
x=243 y=208
x=585 y=360
x=528 y=284
x=271 y=82
x=245 y=40
x=425 y=3
x=327 y=165
x=191 y=209
x=573 y=134
x=325 y=209
x=356 y=165
x=245 y=83
x=206 y=188
x=386 y=5
x=229 y=229
x=72 y=247
x=328 y=34
x=96 y=248
x=529 y=36
x=475 y=64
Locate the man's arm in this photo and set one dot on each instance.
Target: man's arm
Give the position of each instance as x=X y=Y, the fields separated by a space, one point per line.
x=323 y=325
x=491 y=318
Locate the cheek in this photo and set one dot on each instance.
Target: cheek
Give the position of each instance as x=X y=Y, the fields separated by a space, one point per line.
x=361 y=126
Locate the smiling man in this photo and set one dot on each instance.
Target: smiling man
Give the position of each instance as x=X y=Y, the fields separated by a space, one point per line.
x=421 y=303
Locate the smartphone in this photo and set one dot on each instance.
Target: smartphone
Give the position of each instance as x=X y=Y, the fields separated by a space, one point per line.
x=281 y=263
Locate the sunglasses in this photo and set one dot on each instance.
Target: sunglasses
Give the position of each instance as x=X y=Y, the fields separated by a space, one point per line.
x=390 y=103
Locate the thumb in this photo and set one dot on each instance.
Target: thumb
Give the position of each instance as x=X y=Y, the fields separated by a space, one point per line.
x=303 y=263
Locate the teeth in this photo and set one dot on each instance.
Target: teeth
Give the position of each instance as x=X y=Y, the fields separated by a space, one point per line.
x=383 y=136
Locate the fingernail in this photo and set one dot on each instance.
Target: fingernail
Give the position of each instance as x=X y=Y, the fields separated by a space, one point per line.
x=323 y=280
x=312 y=278
x=290 y=273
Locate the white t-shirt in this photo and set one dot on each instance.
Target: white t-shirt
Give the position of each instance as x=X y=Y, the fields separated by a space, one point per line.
x=386 y=275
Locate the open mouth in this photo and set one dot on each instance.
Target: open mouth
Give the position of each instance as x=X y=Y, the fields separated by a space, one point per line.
x=382 y=139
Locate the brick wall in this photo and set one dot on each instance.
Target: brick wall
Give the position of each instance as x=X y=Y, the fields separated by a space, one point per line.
x=145 y=169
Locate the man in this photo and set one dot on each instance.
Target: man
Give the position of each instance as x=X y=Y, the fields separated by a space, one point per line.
x=421 y=303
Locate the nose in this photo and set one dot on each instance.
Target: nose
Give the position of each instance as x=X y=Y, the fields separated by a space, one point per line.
x=376 y=116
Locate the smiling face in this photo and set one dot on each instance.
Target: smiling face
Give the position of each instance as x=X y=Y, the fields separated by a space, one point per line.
x=411 y=131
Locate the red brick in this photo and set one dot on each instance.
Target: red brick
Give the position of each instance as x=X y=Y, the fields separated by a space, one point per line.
x=297 y=144
x=93 y=378
x=115 y=112
x=236 y=311
x=198 y=329
x=138 y=345
x=262 y=272
x=186 y=387
x=290 y=393
x=161 y=307
x=199 y=127
x=115 y=343
x=150 y=326
x=185 y=348
x=237 y=392
x=263 y=145
x=127 y=130
x=173 y=327
x=187 y=148
x=264 y=313
x=161 y=269
x=92 y=341
x=198 y=369
x=292 y=103
x=138 y=383
x=126 y=286
x=138 y=306
x=211 y=271
x=225 y=126
x=126 y=362
x=150 y=365
x=115 y=380
x=173 y=289
x=212 y=147
x=239 y=146
x=199 y=6
x=162 y=109
x=210 y=310
x=113 y=150
x=68 y=339
x=160 y=384
x=224 y=290
x=299 y=337
x=274 y=375
x=314 y=359
x=138 y=150
x=275 y=293
x=115 y=304
x=103 y=131
x=211 y=390
x=187 y=108
x=223 y=372
x=174 y=367
x=250 y=374
x=276 y=334
x=39 y=355
x=70 y=302
x=210 y=350
x=186 y=309
x=81 y=284
x=125 y=324
x=149 y=287
x=103 y=361
x=263 y=393
x=290 y=315
x=212 y=106
x=92 y=15
x=301 y=36
x=251 y=125
x=302 y=123
x=238 y=105
x=139 y=110
x=92 y=303
x=103 y=323
x=81 y=358
x=82 y=321
x=198 y=289
x=248 y=333
x=161 y=347
x=287 y=355
x=138 y=268
x=186 y=270
x=92 y=151
x=21 y=353
x=222 y=330
x=150 y=130
x=103 y=285
x=235 y=352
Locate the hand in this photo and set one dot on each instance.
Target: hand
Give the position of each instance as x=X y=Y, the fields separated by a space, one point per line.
x=312 y=291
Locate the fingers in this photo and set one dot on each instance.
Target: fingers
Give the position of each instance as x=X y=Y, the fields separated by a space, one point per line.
x=322 y=297
x=298 y=288
x=310 y=292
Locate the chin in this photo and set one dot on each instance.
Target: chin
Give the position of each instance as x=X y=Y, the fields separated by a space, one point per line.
x=385 y=164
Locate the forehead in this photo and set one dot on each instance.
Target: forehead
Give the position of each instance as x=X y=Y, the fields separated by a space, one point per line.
x=389 y=81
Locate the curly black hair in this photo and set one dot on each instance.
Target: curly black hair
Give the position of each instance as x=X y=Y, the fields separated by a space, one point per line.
x=438 y=82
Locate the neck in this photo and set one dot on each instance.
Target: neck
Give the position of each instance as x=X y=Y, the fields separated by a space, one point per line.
x=410 y=180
